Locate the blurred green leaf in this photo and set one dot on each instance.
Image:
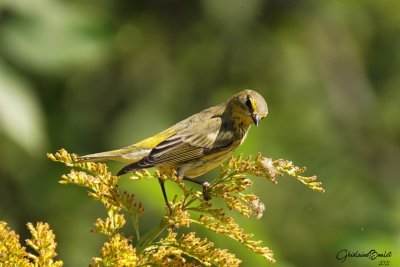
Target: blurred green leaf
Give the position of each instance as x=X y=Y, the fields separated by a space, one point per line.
x=52 y=39
x=21 y=117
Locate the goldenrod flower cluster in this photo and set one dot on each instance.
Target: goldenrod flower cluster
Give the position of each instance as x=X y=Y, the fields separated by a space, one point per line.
x=42 y=243
x=188 y=207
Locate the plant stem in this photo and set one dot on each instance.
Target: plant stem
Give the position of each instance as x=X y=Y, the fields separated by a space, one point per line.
x=151 y=235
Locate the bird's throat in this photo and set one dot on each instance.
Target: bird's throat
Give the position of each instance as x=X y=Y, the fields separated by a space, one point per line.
x=241 y=129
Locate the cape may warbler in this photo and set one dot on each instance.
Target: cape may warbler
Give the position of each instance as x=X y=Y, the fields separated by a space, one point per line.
x=195 y=145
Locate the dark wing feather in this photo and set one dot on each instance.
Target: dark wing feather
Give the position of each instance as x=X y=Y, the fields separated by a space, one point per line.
x=204 y=135
x=192 y=143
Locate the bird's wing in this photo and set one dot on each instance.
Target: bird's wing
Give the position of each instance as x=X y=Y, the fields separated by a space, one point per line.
x=134 y=152
x=194 y=142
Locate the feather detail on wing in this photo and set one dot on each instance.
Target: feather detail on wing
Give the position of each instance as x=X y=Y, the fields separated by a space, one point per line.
x=190 y=144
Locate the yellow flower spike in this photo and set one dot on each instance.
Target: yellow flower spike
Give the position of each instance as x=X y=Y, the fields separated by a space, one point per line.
x=43 y=243
x=11 y=251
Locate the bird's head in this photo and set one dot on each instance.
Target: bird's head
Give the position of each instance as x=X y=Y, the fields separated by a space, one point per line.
x=250 y=106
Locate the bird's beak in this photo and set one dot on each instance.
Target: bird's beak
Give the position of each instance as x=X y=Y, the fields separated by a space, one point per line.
x=256 y=119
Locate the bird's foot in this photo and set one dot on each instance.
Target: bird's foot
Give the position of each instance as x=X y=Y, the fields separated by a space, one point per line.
x=204 y=184
x=206 y=191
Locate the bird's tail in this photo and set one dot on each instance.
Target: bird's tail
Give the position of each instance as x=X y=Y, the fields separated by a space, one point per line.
x=103 y=156
x=128 y=154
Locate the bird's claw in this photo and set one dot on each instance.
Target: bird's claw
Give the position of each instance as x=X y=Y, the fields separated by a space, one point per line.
x=206 y=191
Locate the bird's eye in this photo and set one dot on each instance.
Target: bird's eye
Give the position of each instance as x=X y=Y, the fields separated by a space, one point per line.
x=249 y=104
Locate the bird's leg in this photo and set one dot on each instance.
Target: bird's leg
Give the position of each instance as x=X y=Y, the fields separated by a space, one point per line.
x=204 y=184
x=161 y=181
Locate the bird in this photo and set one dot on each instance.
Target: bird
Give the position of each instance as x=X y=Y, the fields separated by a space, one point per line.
x=195 y=145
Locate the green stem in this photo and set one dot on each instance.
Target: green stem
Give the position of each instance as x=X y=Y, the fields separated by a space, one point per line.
x=150 y=236
x=135 y=222
x=223 y=179
x=187 y=204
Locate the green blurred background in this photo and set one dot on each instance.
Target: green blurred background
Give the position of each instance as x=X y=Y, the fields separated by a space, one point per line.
x=97 y=75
